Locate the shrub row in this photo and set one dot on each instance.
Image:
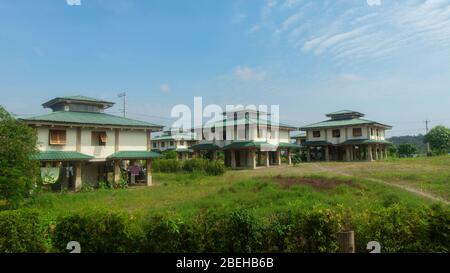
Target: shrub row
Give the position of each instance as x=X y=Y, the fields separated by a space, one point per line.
x=192 y=165
x=396 y=228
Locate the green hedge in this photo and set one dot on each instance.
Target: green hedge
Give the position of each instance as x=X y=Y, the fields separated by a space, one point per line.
x=396 y=228
x=97 y=231
x=20 y=232
x=198 y=165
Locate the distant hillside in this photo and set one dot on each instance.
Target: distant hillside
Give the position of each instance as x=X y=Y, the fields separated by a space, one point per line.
x=416 y=140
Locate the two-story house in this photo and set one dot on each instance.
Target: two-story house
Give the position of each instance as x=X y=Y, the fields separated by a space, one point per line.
x=247 y=138
x=174 y=140
x=346 y=136
x=87 y=144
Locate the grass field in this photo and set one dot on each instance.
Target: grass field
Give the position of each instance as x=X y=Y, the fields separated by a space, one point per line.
x=358 y=185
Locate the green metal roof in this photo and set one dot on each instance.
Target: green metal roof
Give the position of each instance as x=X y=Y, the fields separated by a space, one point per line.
x=60 y=156
x=343 y=122
x=174 y=137
x=205 y=147
x=317 y=143
x=79 y=99
x=344 y=112
x=365 y=141
x=249 y=144
x=289 y=145
x=88 y=118
x=134 y=155
x=244 y=121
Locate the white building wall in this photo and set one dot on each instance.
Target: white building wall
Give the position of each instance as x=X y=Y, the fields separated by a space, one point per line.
x=99 y=152
x=133 y=141
x=44 y=143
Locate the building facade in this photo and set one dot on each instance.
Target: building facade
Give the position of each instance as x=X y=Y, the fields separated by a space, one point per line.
x=88 y=145
x=247 y=139
x=346 y=136
x=172 y=140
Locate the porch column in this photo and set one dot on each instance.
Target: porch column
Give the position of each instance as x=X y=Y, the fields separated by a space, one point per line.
x=369 y=153
x=381 y=152
x=252 y=159
x=289 y=156
x=78 y=182
x=352 y=153
x=327 y=153
x=385 y=152
x=214 y=155
x=267 y=159
x=278 y=154
x=376 y=152
x=116 y=171
x=149 y=172
x=233 y=159
x=308 y=154
x=347 y=153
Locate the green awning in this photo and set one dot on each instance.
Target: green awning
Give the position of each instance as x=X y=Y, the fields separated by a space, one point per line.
x=205 y=147
x=289 y=145
x=317 y=143
x=134 y=155
x=60 y=156
x=250 y=144
x=365 y=141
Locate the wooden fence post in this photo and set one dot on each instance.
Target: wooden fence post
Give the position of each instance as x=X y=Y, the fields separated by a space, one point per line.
x=346 y=242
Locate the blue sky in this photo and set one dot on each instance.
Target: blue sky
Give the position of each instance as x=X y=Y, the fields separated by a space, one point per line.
x=388 y=59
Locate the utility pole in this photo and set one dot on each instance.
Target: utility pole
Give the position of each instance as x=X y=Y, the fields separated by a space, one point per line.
x=124 y=96
x=426 y=129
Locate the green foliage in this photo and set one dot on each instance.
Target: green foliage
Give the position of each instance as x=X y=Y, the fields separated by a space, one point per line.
x=439 y=139
x=166 y=165
x=170 y=154
x=415 y=140
x=18 y=174
x=194 y=165
x=438 y=230
x=20 y=232
x=105 y=185
x=214 y=168
x=98 y=232
x=406 y=150
x=296 y=158
x=121 y=184
x=199 y=165
x=171 y=235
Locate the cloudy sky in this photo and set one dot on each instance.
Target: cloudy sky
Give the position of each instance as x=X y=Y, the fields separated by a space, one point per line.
x=386 y=58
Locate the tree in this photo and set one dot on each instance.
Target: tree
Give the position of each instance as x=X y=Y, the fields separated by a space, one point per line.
x=439 y=139
x=406 y=150
x=18 y=174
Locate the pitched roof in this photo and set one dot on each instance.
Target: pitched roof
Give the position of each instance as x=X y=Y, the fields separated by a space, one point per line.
x=88 y=118
x=244 y=121
x=60 y=156
x=298 y=134
x=343 y=122
x=205 y=147
x=365 y=141
x=344 y=112
x=78 y=98
x=134 y=155
x=185 y=136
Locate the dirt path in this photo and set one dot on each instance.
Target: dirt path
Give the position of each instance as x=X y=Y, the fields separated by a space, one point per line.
x=403 y=187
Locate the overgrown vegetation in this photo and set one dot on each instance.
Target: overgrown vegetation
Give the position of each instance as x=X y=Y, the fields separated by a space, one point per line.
x=232 y=231
x=18 y=174
x=197 y=165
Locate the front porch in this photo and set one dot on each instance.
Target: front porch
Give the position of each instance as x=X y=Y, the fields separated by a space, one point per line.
x=72 y=170
x=347 y=151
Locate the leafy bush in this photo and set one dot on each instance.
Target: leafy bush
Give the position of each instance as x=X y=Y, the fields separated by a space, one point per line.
x=18 y=174
x=194 y=165
x=97 y=231
x=438 y=230
x=170 y=235
x=214 y=168
x=20 y=232
x=166 y=165
x=170 y=154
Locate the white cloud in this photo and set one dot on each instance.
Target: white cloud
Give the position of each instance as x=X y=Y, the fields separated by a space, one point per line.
x=248 y=74
x=356 y=31
x=164 y=88
x=374 y=2
x=254 y=28
x=73 y=2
